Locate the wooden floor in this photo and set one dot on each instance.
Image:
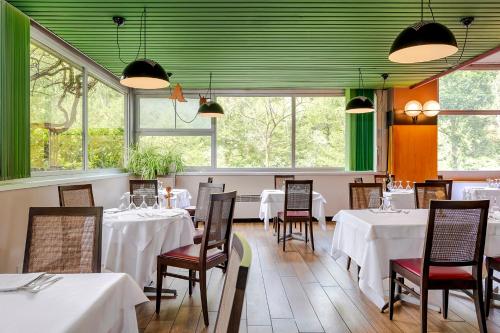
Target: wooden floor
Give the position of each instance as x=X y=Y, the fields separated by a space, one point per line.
x=301 y=291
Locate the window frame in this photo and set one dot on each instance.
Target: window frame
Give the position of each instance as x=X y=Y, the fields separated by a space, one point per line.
x=138 y=94
x=72 y=56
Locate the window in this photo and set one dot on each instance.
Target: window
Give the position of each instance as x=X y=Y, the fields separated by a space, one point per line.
x=159 y=113
x=195 y=150
x=57 y=116
x=469 y=125
x=255 y=132
x=106 y=125
x=319 y=134
x=55 y=112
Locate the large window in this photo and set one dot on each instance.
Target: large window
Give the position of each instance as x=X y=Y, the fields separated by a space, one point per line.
x=469 y=126
x=256 y=132
x=58 y=137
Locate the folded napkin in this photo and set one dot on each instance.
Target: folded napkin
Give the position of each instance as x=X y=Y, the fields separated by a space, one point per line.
x=11 y=282
x=495 y=215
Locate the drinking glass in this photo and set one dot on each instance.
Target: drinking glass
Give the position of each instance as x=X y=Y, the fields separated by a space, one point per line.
x=143 y=205
x=156 y=205
x=123 y=204
x=408 y=187
x=132 y=205
x=390 y=186
x=400 y=186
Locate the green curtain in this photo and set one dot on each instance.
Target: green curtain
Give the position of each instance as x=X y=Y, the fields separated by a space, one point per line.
x=14 y=93
x=360 y=135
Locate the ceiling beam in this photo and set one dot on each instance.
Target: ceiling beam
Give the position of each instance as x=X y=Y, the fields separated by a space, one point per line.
x=456 y=67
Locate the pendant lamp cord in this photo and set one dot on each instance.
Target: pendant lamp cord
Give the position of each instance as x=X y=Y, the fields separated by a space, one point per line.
x=140 y=39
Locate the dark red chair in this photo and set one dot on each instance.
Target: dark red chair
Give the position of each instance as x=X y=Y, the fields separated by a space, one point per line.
x=212 y=252
x=455 y=238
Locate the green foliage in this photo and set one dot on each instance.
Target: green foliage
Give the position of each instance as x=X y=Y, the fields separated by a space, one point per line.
x=148 y=161
x=469 y=142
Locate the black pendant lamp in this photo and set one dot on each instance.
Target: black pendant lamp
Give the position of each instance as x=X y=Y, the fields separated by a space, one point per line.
x=210 y=108
x=360 y=104
x=144 y=73
x=423 y=41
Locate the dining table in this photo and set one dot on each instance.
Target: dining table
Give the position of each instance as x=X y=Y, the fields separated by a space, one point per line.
x=482 y=192
x=401 y=199
x=371 y=238
x=132 y=239
x=95 y=303
x=273 y=201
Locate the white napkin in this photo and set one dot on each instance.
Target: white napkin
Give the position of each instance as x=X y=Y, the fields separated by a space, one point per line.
x=11 y=282
x=495 y=215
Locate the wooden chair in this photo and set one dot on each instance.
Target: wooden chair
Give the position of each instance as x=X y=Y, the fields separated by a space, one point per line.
x=76 y=196
x=448 y=182
x=382 y=180
x=63 y=240
x=147 y=187
x=440 y=177
x=425 y=192
x=492 y=265
x=210 y=180
x=279 y=180
x=455 y=238
x=298 y=207
x=212 y=252
x=233 y=292
x=364 y=196
x=358 y=180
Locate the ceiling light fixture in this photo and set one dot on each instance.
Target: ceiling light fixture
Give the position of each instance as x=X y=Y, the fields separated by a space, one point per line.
x=360 y=104
x=431 y=108
x=142 y=73
x=423 y=41
x=413 y=108
x=209 y=107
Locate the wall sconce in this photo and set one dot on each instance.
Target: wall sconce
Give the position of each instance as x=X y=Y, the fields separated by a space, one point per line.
x=430 y=109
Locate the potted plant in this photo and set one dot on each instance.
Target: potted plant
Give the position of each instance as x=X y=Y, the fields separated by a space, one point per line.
x=150 y=162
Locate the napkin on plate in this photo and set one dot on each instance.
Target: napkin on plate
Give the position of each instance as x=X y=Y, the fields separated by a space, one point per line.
x=11 y=282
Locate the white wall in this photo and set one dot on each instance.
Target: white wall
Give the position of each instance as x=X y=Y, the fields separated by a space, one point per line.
x=15 y=204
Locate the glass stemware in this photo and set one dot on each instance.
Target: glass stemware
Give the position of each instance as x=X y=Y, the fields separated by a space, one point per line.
x=123 y=204
x=132 y=205
x=143 y=205
x=408 y=187
x=156 y=205
x=400 y=186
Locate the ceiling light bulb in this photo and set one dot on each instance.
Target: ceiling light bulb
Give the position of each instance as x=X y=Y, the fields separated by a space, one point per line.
x=431 y=108
x=413 y=108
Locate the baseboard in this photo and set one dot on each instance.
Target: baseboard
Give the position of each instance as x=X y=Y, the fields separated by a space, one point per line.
x=257 y=220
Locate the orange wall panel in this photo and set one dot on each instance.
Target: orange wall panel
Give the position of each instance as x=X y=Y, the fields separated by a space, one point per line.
x=414 y=154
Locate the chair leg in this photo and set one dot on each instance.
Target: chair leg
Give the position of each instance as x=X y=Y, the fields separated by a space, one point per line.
x=446 y=293
x=278 y=233
x=203 y=293
x=312 y=235
x=478 y=301
x=190 y=283
x=300 y=227
x=348 y=263
x=489 y=288
x=159 y=284
x=284 y=234
x=424 y=293
x=391 y=293
x=305 y=229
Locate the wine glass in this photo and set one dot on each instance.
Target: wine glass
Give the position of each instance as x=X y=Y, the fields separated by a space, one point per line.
x=156 y=205
x=382 y=203
x=400 y=186
x=132 y=205
x=390 y=186
x=143 y=205
x=123 y=204
x=408 y=187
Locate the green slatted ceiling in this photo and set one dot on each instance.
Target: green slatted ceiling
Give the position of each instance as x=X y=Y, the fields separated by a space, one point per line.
x=265 y=44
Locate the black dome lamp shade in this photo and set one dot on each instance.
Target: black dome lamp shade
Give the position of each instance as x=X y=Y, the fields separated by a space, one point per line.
x=142 y=73
x=360 y=104
x=211 y=108
x=423 y=41
x=145 y=74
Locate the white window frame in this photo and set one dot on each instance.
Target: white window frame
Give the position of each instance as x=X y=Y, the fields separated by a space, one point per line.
x=54 y=44
x=138 y=94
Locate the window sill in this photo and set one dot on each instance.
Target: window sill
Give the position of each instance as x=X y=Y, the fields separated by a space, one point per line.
x=60 y=179
x=271 y=172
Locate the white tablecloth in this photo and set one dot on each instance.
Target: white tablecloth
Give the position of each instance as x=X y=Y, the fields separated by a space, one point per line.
x=131 y=240
x=181 y=198
x=371 y=240
x=77 y=303
x=402 y=199
x=273 y=201
x=478 y=193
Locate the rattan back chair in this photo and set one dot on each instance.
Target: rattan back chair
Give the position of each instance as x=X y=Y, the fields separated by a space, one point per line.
x=63 y=240
x=365 y=195
x=205 y=190
x=425 y=192
x=213 y=252
x=358 y=180
x=448 y=182
x=233 y=292
x=76 y=196
x=147 y=187
x=456 y=235
x=279 y=181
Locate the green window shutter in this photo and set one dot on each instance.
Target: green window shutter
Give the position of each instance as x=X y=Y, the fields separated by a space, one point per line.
x=14 y=93
x=360 y=135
